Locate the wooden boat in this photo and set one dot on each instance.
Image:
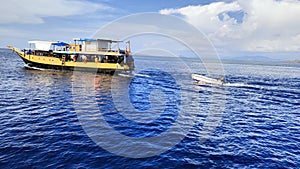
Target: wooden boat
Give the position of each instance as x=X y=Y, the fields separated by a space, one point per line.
x=85 y=54
x=208 y=81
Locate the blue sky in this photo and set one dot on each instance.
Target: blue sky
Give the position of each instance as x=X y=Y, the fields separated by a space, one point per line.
x=236 y=28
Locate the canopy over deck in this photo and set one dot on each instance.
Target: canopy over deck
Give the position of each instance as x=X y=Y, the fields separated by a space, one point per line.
x=90 y=39
x=46 y=45
x=60 y=44
x=41 y=45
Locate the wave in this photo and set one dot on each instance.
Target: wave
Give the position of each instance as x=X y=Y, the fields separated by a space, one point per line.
x=33 y=68
x=133 y=74
x=142 y=75
x=264 y=87
x=241 y=85
x=37 y=68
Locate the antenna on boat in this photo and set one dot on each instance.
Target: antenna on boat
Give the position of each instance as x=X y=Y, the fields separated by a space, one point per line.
x=75 y=40
x=128 y=47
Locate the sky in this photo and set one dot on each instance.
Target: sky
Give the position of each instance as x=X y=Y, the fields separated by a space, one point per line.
x=236 y=28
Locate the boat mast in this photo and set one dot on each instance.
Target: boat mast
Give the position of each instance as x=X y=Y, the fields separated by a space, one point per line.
x=128 y=47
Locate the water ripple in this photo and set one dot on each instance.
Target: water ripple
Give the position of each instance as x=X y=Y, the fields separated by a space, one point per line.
x=260 y=125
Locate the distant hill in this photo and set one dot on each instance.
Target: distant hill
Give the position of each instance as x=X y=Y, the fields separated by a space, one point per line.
x=4 y=49
x=295 y=61
x=252 y=58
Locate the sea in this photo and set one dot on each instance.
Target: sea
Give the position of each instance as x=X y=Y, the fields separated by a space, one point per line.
x=157 y=117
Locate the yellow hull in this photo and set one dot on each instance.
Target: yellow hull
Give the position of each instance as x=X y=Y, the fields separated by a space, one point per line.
x=59 y=63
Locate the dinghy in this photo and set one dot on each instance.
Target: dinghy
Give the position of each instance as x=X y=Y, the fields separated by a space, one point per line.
x=203 y=80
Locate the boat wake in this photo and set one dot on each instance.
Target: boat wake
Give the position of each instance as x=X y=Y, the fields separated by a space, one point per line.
x=240 y=85
x=37 y=68
x=141 y=75
x=33 y=68
x=125 y=75
x=132 y=75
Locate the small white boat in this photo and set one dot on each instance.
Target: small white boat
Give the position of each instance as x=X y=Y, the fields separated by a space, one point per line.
x=203 y=80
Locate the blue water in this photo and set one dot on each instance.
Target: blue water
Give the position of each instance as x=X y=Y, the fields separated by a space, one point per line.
x=259 y=128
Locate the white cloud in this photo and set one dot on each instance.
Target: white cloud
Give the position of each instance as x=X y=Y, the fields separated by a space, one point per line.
x=204 y=17
x=33 y=11
x=265 y=26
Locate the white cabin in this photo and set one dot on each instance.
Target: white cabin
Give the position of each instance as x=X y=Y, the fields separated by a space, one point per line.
x=41 y=45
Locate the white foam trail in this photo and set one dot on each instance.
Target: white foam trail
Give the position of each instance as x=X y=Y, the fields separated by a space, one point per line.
x=133 y=74
x=125 y=75
x=40 y=69
x=248 y=85
x=237 y=85
x=241 y=85
x=142 y=75
x=34 y=68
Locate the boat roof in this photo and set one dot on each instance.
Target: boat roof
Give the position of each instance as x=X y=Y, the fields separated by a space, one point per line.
x=60 y=44
x=89 y=53
x=91 y=39
x=46 y=45
x=41 y=45
x=40 y=41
